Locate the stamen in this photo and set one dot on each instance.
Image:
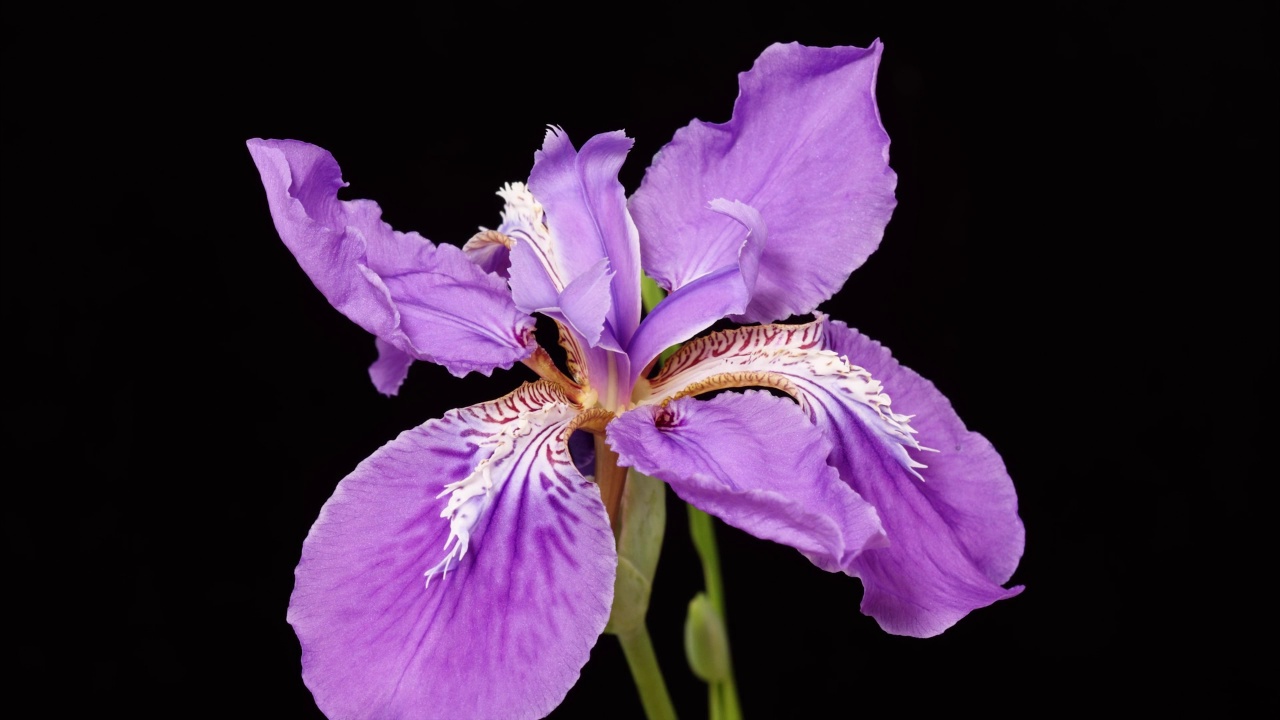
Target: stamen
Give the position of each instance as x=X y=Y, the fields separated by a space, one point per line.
x=593 y=420
x=573 y=354
x=541 y=363
x=487 y=237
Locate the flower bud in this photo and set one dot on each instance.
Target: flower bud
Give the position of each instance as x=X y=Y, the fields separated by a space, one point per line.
x=706 y=643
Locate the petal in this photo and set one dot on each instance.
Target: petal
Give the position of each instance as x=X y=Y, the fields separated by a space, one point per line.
x=519 y=562
x=428 y=301
x=722 y=291
x=954 y=533
x=587 y=217
x=582 y=304
x=804 y=147
x=964 y=517
x=568 y=270
x=756 y=462
x=453 y=314
x=490 y=251
x=390 y=369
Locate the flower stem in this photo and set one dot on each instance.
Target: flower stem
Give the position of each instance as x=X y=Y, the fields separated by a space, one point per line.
x=642 y=516
x=722 y=695
x=638 y=649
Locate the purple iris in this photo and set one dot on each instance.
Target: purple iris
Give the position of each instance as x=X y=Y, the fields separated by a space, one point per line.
x=467 y=567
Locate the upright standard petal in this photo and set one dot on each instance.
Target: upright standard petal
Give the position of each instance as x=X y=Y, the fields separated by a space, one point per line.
x=573 y=248
x=953 y=529
x=587 y=215
x=464 y=570
x=427 y=301
x=805 y=147
x=756 y=462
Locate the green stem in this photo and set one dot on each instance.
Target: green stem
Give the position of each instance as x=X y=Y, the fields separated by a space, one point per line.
x=638 y=649
x=702 y=528
x=722 y=696
x=730 y=708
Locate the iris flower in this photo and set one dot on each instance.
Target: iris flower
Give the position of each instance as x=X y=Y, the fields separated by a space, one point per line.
x=467 y=567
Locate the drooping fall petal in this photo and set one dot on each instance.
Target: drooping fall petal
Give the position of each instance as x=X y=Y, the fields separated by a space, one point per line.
x=464 y=570
x=390 y=369
x=805 y=147
x=956 y=537
x=756 y=462
x=427 y=301
x=944 y=499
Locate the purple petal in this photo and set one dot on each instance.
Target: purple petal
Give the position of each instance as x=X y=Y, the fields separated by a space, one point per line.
x=956 y=537
x=390 y=369
x=582 y=304
x=950 y=515
x=490 y=252
x=756 y=462
x=428 y=301
x=464 y=570
x=805 y=148
x=587 y=216
x=722 y=291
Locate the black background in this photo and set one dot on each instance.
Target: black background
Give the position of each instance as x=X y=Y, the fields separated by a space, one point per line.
x=1083 y=259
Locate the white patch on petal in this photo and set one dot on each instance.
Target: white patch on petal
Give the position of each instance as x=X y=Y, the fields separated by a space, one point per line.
x=525 y=221
x=512 y=421
x=789 y=358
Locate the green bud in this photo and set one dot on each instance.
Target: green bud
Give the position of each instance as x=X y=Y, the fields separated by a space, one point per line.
x=706 y=643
